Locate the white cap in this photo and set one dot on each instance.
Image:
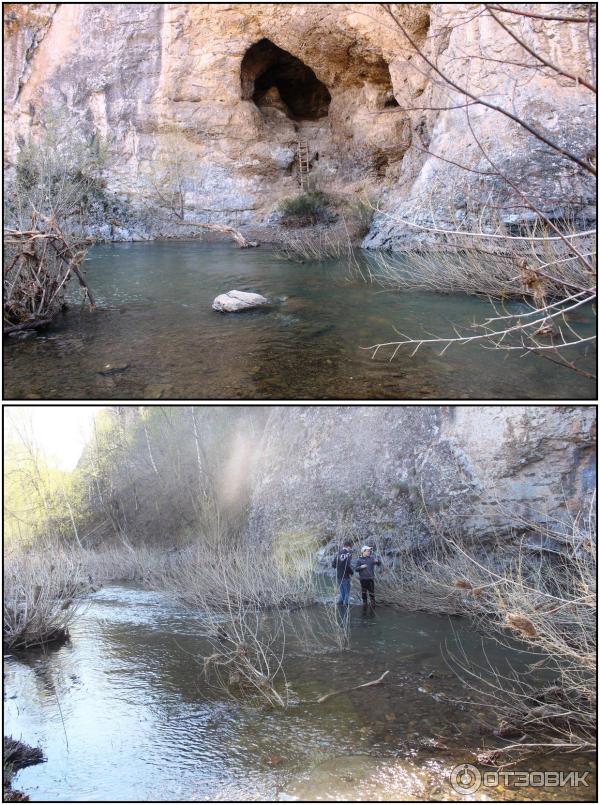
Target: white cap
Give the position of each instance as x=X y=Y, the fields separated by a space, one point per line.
x=366 y=548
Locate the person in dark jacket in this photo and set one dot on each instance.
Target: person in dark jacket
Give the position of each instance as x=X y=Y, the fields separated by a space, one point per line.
x=342 y=562
x=365 y=566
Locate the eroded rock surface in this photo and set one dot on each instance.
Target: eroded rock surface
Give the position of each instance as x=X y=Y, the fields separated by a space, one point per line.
x=231 y=88
x=376 y=472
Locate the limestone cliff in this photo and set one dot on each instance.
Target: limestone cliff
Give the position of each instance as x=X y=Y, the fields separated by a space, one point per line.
x=231 y=88
x=370 y=471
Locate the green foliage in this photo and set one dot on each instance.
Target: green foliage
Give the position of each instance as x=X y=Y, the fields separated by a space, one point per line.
x=305 y=209
x=151 y=476
x=34 y=489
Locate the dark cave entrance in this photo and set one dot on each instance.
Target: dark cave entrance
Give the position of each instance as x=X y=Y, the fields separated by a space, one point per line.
x=273 y=77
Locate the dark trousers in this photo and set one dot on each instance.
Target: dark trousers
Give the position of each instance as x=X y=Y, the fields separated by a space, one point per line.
x=367 y=586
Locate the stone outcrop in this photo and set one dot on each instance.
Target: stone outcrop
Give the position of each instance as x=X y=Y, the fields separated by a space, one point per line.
x=223 y=92
x=372 y=472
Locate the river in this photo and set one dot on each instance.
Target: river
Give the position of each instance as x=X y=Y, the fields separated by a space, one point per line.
x=155 y=329
x=123 y=712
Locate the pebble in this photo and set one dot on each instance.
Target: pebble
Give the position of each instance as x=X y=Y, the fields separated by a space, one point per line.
x=113 y=369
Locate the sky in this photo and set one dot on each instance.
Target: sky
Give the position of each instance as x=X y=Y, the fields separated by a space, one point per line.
x=60 y=432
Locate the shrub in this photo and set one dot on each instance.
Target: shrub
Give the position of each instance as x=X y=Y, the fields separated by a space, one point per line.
x=47 y=203
x=41 y=598
x=307 y=209
x=360 y=216
x=544 y=599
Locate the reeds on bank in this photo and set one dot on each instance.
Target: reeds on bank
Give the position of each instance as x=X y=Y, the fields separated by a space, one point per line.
x=16 y=755
x=41 y=597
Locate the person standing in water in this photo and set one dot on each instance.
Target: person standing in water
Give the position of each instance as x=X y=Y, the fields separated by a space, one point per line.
x=342 y=562
x=365 y=566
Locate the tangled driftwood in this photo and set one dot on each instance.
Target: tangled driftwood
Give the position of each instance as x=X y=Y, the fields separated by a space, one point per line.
x=37 y=266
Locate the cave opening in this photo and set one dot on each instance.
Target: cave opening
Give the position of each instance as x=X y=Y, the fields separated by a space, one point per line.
x=272 y=77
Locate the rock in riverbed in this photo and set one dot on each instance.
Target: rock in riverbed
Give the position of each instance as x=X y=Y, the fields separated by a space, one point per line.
x=113 y=369
x=234 y=301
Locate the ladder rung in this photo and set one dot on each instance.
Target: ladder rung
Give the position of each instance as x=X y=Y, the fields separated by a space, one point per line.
x=303 y=162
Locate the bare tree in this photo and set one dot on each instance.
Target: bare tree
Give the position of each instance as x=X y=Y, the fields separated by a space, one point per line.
x=47 y=204
x=167 y=179
x=549 y=262
x=538 y=586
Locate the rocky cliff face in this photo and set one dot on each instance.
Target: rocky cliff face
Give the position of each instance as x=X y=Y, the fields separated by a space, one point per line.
x=221 y=94
x=369 y=471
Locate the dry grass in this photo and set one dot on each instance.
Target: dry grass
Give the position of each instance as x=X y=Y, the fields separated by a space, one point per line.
x=544 y=599
x=122 y=562
x=16 y=755
x=535 y=264
x=315 y=246
x=42 y=595
x=44 y=589
x=551 y=267
x=251 y=576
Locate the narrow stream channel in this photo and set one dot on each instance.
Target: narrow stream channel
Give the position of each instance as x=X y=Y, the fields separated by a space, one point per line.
x=155 y=327
x=122 y=713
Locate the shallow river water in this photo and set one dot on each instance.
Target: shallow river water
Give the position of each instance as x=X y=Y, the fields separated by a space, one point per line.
x=122 y=713
x=155 y=327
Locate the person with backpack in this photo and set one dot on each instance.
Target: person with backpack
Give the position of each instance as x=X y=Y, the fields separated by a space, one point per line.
x=342 y=562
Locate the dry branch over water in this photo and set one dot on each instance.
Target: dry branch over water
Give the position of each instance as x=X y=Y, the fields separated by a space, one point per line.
x=377 y=681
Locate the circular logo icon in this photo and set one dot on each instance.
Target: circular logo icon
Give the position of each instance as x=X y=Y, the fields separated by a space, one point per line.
x=465 y=778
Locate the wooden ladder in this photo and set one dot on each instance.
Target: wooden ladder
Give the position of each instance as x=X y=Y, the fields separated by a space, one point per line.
x=303 y=163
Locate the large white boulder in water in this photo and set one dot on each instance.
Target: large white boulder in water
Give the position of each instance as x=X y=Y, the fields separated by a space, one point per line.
x=234 y=301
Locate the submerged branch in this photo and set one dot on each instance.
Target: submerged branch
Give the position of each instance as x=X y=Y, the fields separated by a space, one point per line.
x=327 y=696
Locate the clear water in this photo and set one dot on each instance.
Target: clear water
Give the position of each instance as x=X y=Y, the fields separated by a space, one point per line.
x=154 y=317
x=122 y=712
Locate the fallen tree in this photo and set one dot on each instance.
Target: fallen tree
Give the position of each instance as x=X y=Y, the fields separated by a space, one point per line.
x=224 y=229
